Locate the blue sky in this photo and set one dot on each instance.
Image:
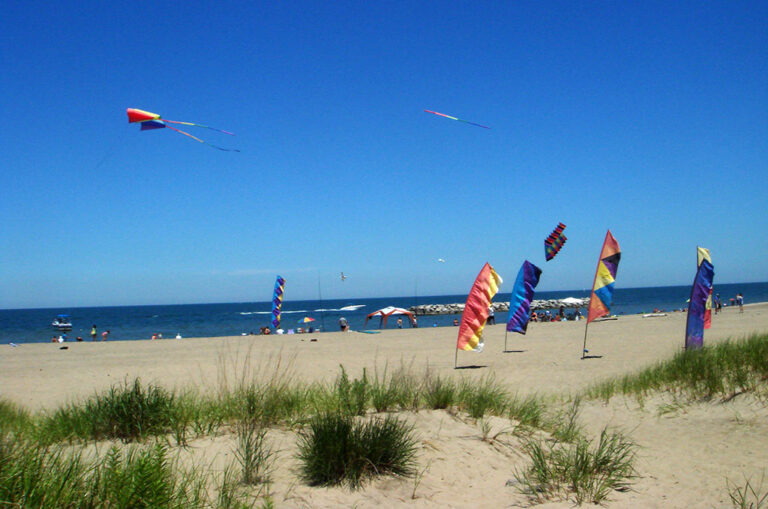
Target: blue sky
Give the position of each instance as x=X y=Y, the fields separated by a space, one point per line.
x=648 y=118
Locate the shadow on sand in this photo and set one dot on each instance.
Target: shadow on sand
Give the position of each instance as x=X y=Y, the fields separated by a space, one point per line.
x=514 y=351
x=592 y=357
x=472 y=366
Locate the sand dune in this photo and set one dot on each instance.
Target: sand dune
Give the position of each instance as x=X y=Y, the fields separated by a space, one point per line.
x=686 y=451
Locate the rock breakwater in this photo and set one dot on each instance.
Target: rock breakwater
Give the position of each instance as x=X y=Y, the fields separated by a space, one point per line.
x=455 y=309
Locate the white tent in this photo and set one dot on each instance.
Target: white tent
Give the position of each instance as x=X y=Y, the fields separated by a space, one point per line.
x=388 y=311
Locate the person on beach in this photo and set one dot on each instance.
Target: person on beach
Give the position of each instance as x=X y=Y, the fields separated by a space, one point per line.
x=399 y=323
x=718 y=304
x=740 y=302
x=455 y=322
x=93 y=333
x=415 y=323
x=343 y=324
x=491 y=316
x=104 y=335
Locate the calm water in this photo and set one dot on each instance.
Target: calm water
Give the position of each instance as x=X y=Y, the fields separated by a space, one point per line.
x=211 y=320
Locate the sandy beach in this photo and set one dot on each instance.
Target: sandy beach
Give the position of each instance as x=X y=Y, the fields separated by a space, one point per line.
x=685 y=455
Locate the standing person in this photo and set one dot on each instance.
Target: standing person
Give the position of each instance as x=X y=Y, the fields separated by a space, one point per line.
x=718 y=304
x=399 y=323
x=104 y=335
x=740 y=302
x=93 y=333
x=561 y=313
x=491 y=316
x=415 y=323
x=343 y=324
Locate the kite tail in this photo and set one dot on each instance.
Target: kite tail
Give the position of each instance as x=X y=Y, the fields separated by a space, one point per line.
x=185 y=134
x=468 y=122
x=201 y=141
x=199 y=125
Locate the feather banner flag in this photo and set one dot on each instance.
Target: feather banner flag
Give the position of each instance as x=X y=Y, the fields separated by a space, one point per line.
x=701 y=294
x=277 y=301
x=602 y=290
x=555 y=242
x=476 y=310
x=522 y=295
x=701 y=255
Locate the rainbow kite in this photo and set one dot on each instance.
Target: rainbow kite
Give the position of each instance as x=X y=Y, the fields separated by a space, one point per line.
x=605 y=277
x=454 y=118
x=149 y=121
x=277 y=301
x=555 y=242
x=476 y=310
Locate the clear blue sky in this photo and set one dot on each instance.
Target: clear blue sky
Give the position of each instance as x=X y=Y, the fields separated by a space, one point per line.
x=648 y=118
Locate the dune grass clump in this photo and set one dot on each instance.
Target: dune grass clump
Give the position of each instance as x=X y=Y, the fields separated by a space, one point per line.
x=529 y=412
x=439 y=393
x=337 y=449
x=13 y=418
x=35 y=476
x=478 y=397
x=127 y=412
x=723 y=370
x=750 y=495
x=579 y=471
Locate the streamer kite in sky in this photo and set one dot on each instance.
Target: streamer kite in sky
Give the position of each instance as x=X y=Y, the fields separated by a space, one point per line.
x=555 y=242
x=149 y=121
x=454 y=118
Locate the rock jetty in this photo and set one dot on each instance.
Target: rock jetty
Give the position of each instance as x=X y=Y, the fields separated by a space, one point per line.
x=455 y=309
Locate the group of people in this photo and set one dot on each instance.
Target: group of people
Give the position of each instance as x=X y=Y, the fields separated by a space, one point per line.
x=717 y=302
x=94 y=334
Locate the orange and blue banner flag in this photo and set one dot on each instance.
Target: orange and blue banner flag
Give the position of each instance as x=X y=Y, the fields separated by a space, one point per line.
x=522 y=295
x=601 y=299
x=476 y=309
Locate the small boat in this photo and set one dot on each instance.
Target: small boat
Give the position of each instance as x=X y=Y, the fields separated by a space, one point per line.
x=62 y=323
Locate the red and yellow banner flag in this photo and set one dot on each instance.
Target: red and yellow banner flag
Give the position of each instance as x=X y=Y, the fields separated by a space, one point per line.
x=476 y=309
x=602 y=290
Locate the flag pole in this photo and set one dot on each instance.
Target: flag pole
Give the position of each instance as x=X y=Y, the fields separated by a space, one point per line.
x=456 y=359
x=584 y=347
x=505 y=339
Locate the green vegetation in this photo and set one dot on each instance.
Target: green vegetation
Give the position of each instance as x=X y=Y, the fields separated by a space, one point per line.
x=337 y=449
x=126 y=412
x=577 y=470
x=34 y=476
x=723 y=370
x=749 y=496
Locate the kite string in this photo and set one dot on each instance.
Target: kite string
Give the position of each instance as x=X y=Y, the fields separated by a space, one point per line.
x=202 y=141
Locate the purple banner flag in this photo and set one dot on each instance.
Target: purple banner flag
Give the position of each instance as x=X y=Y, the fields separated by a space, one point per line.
x=522 y=295
x=702 y=287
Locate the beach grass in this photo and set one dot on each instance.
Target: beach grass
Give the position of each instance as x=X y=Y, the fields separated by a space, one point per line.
x=129 y=411
x=337 y=449
x=582 y=470
x=35 y=476
x=749 y=495
x=723 y=370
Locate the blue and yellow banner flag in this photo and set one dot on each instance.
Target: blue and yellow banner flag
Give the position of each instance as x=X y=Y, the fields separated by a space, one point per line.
x=277 y=301
x=605 y=277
